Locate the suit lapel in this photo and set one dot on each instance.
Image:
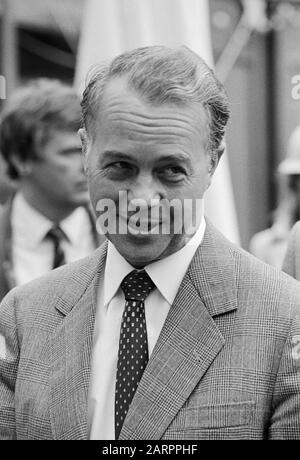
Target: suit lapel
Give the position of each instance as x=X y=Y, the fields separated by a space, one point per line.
x=71 y=352
x=189 y=341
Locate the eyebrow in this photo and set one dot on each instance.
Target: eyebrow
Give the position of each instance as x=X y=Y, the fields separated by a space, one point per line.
x=180 y=157
x=115 y=155
x=71 y=150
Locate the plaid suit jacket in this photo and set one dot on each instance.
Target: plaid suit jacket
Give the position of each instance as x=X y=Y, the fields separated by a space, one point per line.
x=226 y=364
x=291 y=263
x=6 y=270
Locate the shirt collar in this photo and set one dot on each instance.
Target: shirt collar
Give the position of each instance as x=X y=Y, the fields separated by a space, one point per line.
x=76 y=224
x=32 y=226
x=27 y=223
x=117 y=268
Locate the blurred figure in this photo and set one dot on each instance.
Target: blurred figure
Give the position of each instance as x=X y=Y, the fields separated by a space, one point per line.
x=270 y=245
x=6 y=186
x=291 y=263
x=47 y=223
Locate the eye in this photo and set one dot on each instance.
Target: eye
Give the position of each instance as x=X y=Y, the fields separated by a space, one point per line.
x=120 y=165
x=173 y=173
x=120 y=170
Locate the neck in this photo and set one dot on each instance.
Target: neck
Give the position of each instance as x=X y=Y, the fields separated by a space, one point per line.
x=56 y=212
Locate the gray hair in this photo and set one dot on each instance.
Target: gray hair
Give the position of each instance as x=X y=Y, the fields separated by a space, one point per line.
x=163 y=75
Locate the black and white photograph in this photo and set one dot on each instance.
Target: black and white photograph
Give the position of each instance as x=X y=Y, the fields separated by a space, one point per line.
x=149 y=222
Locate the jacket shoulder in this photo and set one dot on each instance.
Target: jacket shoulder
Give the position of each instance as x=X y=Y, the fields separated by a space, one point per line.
x=268 y=287
x=63 y=285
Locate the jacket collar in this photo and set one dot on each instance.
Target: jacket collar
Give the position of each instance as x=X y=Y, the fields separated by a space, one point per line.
x=75 y=284
x=213 y=273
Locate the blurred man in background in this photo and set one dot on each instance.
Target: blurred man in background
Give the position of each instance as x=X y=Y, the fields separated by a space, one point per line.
x=6 y=186
x=270 y=245
x=291 y=262
x=47 y=223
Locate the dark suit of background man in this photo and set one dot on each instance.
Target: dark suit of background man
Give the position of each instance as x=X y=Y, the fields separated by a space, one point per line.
x=157 y=335
x=47 y=223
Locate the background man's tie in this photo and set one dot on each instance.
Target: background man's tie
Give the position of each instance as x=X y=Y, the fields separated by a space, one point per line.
x=133 y=345
x=56 y=235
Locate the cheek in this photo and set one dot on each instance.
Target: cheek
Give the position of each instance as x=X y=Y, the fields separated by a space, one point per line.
x=195 y=187
x=59 y=167
x=66 y=169
x=201 y=183
x=101 y=188
x=72 y=166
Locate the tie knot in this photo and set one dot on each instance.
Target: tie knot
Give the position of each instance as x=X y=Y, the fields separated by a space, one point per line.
x=56 y=234
x=137 y=285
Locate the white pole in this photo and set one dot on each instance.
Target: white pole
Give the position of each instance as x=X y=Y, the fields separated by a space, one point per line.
x=9 y=55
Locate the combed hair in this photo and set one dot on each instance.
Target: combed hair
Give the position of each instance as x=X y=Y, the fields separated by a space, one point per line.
x=31 y=114
x=163 y=75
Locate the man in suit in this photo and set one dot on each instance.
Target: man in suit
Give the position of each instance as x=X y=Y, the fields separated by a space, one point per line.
x=159 y=334
x=47 y=222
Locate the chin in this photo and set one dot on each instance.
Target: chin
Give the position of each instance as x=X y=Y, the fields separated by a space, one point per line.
x=82 y=200
x=139 y=250
x=140 y=260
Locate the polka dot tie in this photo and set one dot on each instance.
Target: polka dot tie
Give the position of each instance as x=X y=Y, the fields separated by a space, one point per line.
x=133 y=345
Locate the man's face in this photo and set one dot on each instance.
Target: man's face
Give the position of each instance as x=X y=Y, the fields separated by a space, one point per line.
x=151 y=153
x=58 y=174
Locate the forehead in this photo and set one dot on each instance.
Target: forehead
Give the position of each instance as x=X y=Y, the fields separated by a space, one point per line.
x=125 y=113
x=61 y=140
x=62 y=135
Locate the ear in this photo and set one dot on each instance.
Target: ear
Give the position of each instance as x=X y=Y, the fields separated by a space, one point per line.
x=215 y=158
x=84 y=140
x=212 y=165
x=24 y=168
x=84 y=143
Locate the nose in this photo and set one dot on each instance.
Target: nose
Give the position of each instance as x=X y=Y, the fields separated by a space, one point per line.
x=80 y=165
x=145 y=188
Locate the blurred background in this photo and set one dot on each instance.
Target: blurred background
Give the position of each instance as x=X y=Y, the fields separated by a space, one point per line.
x=255 y=47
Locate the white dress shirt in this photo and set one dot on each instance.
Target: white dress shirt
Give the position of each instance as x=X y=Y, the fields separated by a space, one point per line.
x=110 y=306
x=32 y=254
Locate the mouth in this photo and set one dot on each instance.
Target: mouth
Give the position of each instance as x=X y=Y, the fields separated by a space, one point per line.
x=141 y=227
